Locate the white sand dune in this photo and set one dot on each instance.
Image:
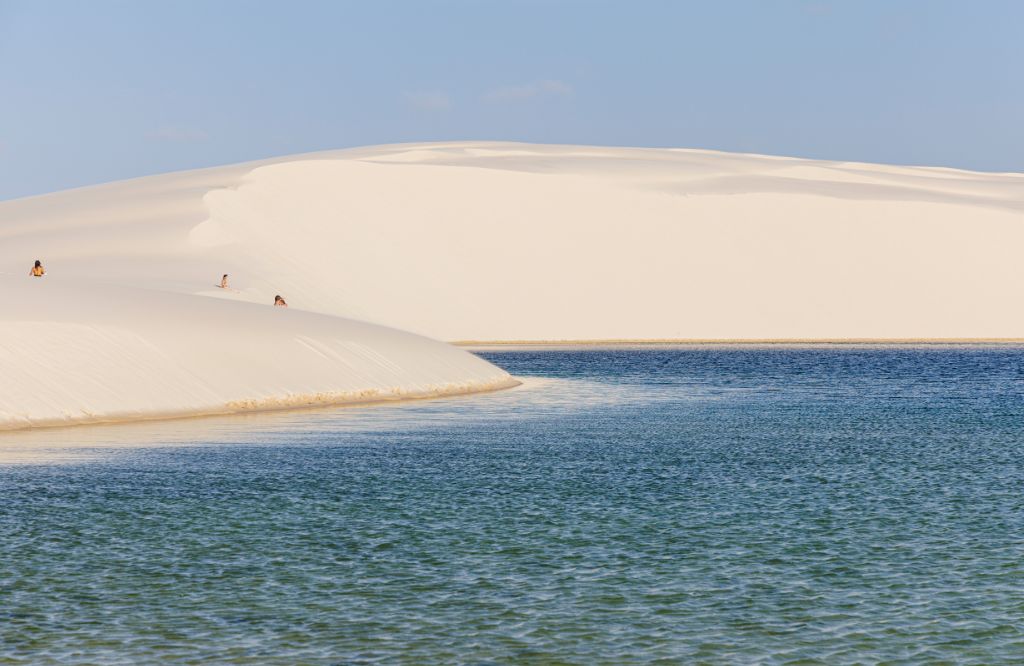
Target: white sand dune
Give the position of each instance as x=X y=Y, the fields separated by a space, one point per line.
x=73 y=353
x=474 y=241
x=496 y=241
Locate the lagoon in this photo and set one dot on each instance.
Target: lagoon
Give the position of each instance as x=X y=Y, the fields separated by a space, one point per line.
x=719 y=504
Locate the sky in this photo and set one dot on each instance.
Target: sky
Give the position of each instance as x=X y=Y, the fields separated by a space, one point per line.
x=104 y=90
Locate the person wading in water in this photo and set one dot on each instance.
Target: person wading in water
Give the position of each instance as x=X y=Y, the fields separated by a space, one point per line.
x=37 y=270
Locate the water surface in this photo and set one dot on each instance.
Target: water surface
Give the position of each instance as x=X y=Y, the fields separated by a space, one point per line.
x=696 y=504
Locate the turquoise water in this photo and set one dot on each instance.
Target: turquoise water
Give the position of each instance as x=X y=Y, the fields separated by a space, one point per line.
x=689 y=505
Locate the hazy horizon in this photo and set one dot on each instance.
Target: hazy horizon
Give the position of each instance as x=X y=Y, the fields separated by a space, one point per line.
x=112 y=90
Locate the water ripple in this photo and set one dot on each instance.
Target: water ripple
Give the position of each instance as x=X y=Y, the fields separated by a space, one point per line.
x=696 y=505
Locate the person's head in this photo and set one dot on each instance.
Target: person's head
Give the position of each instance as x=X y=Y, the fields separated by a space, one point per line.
x=278 y=298
x=39 y=264
x=225 y=275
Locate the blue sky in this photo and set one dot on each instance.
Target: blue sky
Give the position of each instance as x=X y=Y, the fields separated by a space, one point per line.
x=103 y=90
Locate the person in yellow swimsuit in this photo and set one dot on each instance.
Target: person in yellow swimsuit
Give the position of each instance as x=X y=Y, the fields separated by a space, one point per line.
x=37 y=270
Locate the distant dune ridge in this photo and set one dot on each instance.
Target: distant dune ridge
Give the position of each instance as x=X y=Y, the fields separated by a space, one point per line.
x=493 y=241
x=498 y=241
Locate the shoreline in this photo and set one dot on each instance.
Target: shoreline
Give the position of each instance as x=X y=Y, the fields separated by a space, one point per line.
x=284 y=404
x=739 y=342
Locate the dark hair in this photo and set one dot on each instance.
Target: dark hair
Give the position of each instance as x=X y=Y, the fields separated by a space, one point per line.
x=225 y=275
x=38 y=263
x=278 y=298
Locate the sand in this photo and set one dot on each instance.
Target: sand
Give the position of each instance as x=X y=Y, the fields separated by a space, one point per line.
x=496 y=241
x=475 y=241
x=73 y=354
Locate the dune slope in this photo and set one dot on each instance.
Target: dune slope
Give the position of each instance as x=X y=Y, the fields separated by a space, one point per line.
x=71 y=354
x=496 y=241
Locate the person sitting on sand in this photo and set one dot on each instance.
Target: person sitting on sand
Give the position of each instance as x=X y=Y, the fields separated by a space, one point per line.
x=224 y=282
x=37 y=270
x=279 y=302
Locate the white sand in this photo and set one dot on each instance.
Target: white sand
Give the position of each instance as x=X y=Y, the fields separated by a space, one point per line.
x=494 y=241
x=72 y=353
x=474 y=241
